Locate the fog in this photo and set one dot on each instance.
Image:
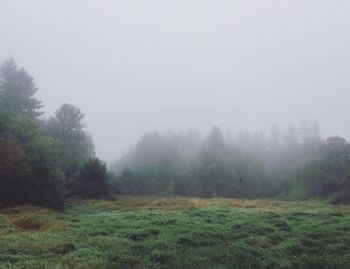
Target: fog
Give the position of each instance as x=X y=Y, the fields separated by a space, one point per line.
x=138 y=66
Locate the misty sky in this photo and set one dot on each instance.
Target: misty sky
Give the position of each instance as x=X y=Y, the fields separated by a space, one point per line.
x=138 y=66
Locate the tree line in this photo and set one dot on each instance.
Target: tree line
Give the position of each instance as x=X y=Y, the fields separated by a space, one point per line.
x=43 y=161
x=296 y=165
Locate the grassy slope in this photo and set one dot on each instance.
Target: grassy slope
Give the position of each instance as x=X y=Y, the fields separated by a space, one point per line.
x=146 y=232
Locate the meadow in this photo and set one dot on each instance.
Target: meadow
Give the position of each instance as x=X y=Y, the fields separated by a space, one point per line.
x=163 y=232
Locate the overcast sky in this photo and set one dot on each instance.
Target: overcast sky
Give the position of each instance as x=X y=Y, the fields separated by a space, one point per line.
x=138 y=66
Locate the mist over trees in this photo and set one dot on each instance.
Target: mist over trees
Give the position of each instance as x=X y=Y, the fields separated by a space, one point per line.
x=297 y=164
x=46 y=160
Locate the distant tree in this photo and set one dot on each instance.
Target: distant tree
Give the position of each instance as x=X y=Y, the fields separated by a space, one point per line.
x=307 y=131
x=291 y=138
x=328 y=175
x=244 y=141
x=216 y=139
x=315 y=129
x=274 y=140
x=67 y=124
x=215 y=177
x=259 y=146
x=304 y=131
x=17 y=91
x=336 y=144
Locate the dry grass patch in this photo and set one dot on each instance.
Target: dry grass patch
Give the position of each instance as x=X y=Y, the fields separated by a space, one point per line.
x=34 y=222
x=179 y=203
x=30 y=218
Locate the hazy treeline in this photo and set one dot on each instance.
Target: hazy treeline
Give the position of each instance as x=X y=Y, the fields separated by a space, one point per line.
x=296 y=164
x=43 y=160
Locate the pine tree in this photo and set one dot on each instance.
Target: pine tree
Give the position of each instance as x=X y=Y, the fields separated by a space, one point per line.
x=17 y=91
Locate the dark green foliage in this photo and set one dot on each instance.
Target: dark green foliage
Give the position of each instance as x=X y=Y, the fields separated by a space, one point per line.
x=29 y=170
x=93 y=180
x=41 y=161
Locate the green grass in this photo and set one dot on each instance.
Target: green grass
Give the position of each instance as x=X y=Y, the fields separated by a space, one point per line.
x=151 y=232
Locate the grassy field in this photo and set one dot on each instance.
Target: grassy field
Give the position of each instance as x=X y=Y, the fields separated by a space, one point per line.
x=153 y=232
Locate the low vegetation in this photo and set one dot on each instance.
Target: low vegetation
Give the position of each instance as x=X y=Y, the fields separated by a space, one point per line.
x=157 y=232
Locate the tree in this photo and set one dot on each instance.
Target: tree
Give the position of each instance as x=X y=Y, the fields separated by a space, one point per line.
x=304 y=131
x=336 y=144
x=274 y=140
x=93 y=180
x=215 y=175
x=291 y=138
x=315 y=129
x=77 y=145
x=17 y=91
x=328 y=175
x=216 y=139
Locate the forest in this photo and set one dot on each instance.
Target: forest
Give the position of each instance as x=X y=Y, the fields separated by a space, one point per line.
x=45 y=160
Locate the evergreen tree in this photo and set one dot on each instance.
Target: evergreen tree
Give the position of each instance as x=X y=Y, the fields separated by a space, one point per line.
x=93 y=180
x=291 y=138
x=17 y=90
x=274 y=140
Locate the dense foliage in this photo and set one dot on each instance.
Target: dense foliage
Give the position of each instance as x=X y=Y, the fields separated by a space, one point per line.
x=41 y=161
x=29 y=170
